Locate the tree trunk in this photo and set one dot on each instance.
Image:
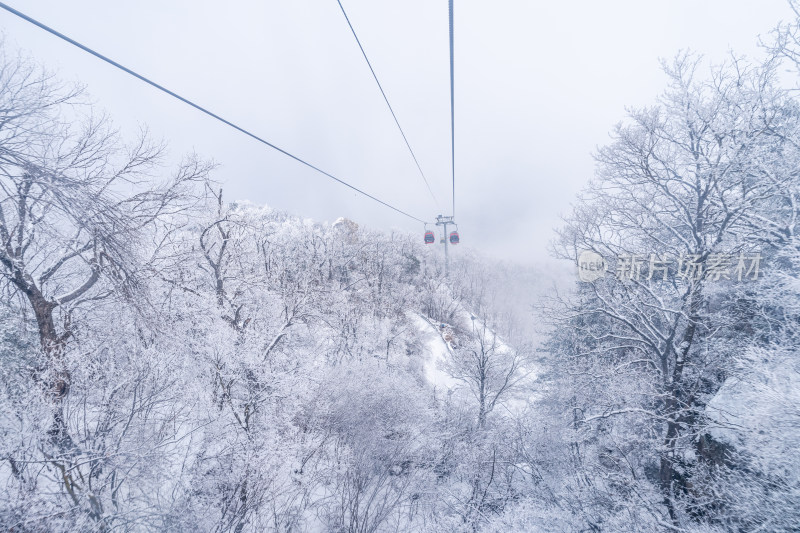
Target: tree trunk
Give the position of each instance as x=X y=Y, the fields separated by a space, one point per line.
x=54 y=377
x=667 y=474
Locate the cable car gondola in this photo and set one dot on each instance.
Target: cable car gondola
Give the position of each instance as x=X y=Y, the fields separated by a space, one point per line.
x=429 y=237
x=454 y=237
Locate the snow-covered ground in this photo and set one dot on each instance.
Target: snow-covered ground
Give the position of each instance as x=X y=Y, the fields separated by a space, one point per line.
x=435 y=353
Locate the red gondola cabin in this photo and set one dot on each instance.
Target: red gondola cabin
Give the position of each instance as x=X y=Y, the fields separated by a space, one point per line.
x=454 y=237
x=429 y=238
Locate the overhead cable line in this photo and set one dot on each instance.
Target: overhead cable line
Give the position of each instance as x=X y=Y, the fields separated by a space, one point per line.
x=452 y=111
x=196 y=106
x=386 y=99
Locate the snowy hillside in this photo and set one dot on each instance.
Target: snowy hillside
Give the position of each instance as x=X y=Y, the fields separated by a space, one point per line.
x=264 y=369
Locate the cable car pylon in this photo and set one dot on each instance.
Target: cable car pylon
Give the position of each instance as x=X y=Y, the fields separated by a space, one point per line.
x=444 y=221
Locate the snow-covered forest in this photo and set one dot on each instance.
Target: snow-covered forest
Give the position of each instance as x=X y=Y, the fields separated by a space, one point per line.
x=172 y=360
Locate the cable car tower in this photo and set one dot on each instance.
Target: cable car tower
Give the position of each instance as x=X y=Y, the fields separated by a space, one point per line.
x=443 y=220
x=452 y=238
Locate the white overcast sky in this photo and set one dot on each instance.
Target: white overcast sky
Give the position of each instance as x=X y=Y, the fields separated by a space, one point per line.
x=539 y=84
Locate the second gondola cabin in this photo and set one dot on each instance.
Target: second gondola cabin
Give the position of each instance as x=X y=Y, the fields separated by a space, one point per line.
x=454 y=237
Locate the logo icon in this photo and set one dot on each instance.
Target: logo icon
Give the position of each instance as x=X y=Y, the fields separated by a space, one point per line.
x=591 y=266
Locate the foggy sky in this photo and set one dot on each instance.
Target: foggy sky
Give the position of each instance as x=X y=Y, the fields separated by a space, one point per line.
x=538 y=87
